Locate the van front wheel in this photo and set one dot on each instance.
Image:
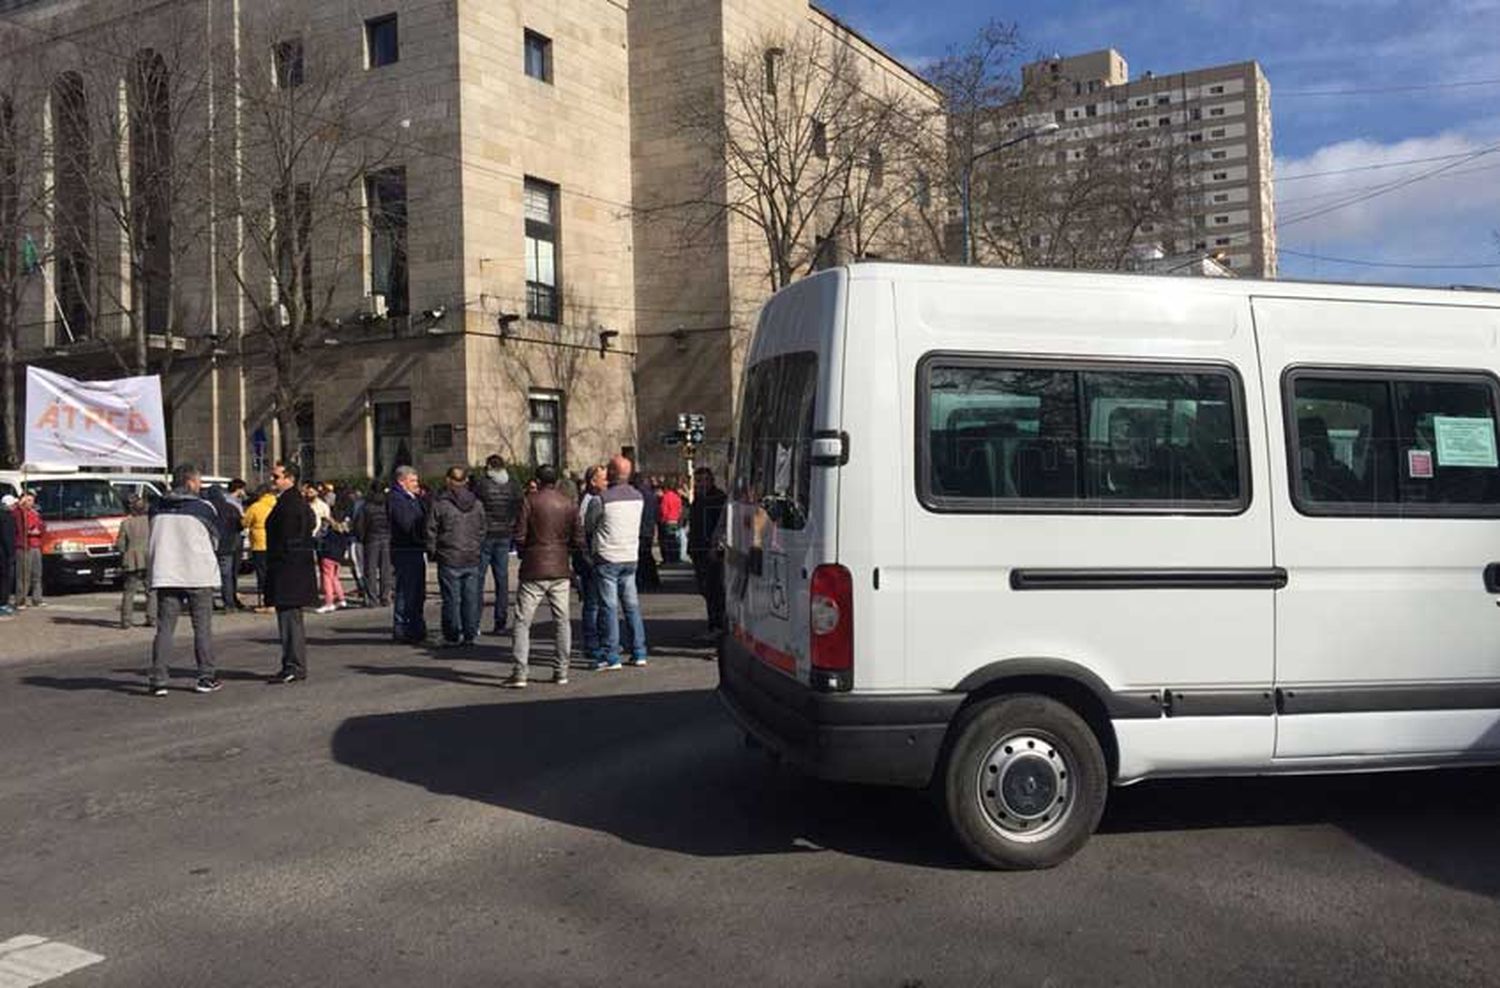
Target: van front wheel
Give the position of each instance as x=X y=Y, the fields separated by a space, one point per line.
x=1025 y=782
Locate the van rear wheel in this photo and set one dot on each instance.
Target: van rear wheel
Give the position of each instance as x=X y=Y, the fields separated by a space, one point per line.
x=1025 y=782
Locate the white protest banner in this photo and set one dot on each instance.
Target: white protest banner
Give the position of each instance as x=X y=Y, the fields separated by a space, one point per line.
x=94 y=423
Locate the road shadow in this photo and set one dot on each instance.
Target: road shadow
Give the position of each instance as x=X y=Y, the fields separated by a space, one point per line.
x=135 y=682
x=87 y=622
x=661 y=770
x=1440 y=824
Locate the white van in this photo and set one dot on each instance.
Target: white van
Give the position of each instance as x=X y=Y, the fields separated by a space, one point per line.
x=1019 y=536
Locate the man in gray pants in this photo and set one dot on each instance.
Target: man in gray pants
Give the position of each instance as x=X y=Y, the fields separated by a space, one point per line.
x=548 y=532
x=185 y=575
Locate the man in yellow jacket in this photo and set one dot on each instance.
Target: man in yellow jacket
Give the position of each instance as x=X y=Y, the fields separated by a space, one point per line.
x=255 y=524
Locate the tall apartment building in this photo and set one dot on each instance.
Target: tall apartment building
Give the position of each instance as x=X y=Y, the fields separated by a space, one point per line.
x=1215 y=122
x=509 y=289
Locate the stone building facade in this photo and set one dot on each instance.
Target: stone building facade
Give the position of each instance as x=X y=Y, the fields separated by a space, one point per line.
x=535 y=307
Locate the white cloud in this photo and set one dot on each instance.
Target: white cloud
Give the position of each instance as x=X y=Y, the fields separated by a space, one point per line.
x=1399 y=206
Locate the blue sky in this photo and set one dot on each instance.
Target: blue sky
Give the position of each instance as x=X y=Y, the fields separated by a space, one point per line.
x=1323 y=58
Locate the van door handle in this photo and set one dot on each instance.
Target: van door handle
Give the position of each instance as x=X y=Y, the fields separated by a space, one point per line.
x=1492 y=578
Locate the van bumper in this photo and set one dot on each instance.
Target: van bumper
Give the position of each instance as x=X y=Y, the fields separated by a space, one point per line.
x=881 y=739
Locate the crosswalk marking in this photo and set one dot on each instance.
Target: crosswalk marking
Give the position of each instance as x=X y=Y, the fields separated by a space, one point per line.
x=28 y=960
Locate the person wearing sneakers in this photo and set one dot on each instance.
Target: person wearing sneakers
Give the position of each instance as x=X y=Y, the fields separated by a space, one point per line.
x=291 y=569
x=547 y=532
x=133 y=543
x=184 y=562
x=7 y=553
x=614 y=530
x=455 y=538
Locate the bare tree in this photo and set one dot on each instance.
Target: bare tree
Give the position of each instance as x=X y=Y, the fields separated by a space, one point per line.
x=980 y=82
x=309 y=154
x=25 y=192
x=804 y=151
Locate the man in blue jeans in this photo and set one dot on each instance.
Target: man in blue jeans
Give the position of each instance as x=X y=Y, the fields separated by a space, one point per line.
x=455 y=531
x=497 y=492
x=613 y=528
x=408 y=518
x=594 y=633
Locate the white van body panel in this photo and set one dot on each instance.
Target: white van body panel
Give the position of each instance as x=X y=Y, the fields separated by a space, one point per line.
x=1368 y=612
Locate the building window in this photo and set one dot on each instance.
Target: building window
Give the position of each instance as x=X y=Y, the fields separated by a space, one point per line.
x=1142 y=102
x=1196 y=113
x=1163 y=121
x=1221 y=220
x=382 y=44
x=877 y=168
x=1143 y=143
x=1216 y=132
x=1092 y=110
x=392 y=426
x=538 y=56
x=1093 y=87
x=1221 y=197
x=1219 y=155
x=73 y=209
x=1142 y=123
x=1000 y=436
x=292 y=215
x=1216 y=90
x=307 y=449
x=1221 y=176
x=385 y=196
x=1163 y=100
x=1221 y=241
x=543 y=300
x=1061 y=116
x=152 y=186
x=1217 y=111
x=287 y=59
x=820 y=139
x=923 y=193
x=1195 y=139
x=545 y=428
x=772 y=67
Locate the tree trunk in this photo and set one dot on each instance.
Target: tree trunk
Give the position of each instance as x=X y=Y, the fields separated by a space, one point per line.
x=8 y=386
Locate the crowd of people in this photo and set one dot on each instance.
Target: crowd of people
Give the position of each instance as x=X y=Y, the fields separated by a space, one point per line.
x=596 y=533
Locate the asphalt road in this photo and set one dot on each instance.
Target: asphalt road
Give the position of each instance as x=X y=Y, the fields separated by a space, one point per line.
x=399 y=820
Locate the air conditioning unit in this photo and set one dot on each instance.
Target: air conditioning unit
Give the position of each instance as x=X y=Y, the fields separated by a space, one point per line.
x=375 y=306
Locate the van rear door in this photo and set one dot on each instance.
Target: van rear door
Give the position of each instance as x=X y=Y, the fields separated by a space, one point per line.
x=782 y=510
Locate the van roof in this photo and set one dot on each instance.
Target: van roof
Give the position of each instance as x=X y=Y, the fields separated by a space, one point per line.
x=1235 y=287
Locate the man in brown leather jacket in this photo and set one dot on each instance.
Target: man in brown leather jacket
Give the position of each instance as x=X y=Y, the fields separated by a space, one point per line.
x=548 y=532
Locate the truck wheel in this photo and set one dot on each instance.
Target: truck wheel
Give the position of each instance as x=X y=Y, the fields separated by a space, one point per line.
x=1025 y=782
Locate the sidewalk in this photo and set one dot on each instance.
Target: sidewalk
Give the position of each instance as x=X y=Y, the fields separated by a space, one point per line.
x=89 y=622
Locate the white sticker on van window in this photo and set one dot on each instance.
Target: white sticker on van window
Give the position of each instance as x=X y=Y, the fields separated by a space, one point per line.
x=1419 y=464
x=1465 y=442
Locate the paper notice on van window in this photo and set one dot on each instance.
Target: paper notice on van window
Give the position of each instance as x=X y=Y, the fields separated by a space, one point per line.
x=1419 y=464
x=1465 y=442
x=783 y=469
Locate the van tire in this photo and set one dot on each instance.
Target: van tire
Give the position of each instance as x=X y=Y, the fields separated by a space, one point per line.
x=1049 y=781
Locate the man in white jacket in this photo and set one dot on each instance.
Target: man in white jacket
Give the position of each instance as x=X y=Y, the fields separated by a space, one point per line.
x=184 y=574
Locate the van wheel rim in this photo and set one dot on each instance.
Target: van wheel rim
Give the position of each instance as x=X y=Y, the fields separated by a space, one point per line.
x=1026 y=786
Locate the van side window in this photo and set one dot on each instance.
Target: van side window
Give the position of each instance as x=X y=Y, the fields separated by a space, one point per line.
x=1022 y=436
x=1364 y=443
x=773 y=458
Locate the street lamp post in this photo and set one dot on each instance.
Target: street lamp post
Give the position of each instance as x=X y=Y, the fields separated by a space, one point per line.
x=1050 y=127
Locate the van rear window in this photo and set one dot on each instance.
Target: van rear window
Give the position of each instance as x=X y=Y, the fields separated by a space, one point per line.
x=773 y=458
x=1379 y=443
x=1030 y=436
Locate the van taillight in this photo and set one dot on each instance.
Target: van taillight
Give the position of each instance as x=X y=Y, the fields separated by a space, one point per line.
x=832 y=621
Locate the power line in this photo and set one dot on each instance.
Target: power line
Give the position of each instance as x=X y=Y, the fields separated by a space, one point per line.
x=1368 y=168
x=1380 y=90
x=1388 y=264
x=1334 y=193
x=1383 y=190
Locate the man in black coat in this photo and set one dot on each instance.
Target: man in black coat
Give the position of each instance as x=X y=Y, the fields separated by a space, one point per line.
x=704 y=518
x=291 y=569
x=407 y=513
